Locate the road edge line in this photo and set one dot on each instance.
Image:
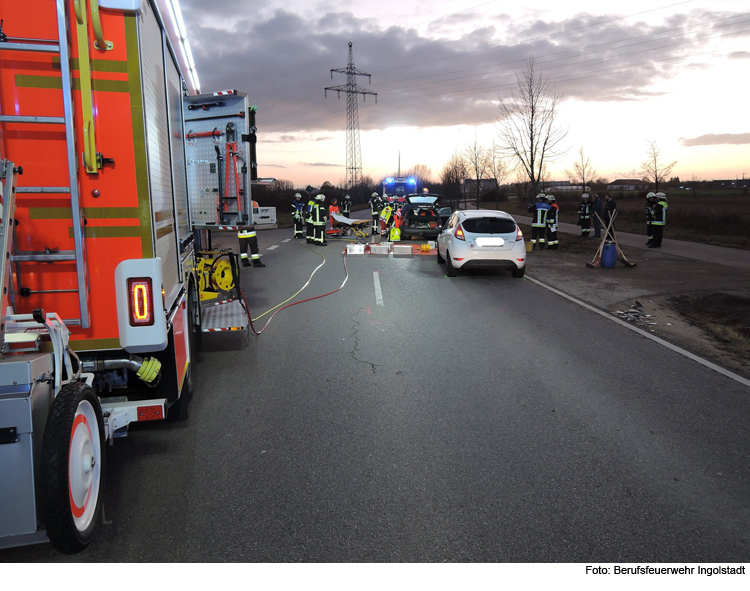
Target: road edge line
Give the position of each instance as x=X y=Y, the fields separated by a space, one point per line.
x=640 y=331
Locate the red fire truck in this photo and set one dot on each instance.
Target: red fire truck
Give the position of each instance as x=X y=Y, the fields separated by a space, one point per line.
x=115 y=170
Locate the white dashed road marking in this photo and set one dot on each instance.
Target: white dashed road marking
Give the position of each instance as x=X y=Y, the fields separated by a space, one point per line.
x=272 y=247
x=378 y=291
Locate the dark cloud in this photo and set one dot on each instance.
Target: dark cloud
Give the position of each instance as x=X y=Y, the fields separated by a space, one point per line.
x=713 y=139
x=283 y=61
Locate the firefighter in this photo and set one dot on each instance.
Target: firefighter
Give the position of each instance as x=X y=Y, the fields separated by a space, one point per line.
x=553 y=217
x=333 y=208
x=386 y=216
x=308 y=219
x=249 y=239
x=650 y=202
x=584 y=215
x=375 y=206
x=319 y=220
x=659 y=220
x=298 y=212
x=346 y=206
x=539 y=221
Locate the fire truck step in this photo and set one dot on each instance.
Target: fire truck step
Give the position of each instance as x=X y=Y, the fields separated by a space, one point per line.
x=30 y=119
x=44 y=257
x=42 y=189
x=52 y=47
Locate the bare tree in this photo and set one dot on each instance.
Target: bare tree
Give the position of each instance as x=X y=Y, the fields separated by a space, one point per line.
x=476 y=163
x=652 y=168
x=422 y=173
x=453 y=173
x=529 y=133
x=582 y=173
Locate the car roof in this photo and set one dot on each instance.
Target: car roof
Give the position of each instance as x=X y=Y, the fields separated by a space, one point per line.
x=473 y=213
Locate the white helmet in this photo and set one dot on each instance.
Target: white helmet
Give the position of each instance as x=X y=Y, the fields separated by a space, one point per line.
x=297 y=196
x=320 y=197
x=347 y=197
x=662 y=196
x=550 y=197
x=651 y=195
x=585 y=196
x=374 y=194
x=541 y=196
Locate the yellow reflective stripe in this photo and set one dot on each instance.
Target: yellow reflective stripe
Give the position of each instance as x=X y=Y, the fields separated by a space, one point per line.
x=243 y=255
x=245 y=234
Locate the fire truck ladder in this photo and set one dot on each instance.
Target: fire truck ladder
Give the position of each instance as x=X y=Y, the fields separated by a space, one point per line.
x=92 y=160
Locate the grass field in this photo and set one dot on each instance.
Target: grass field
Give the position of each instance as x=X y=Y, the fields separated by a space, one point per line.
x=720 y=219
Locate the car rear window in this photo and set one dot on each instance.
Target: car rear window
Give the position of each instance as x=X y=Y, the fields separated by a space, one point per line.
x=489 y=225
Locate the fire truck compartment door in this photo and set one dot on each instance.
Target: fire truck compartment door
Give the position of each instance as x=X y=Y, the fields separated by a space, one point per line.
x=143 y=338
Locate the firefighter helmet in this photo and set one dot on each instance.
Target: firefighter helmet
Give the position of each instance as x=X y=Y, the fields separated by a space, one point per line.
x=347 y=197
x=297 y=196
x=320 y=197
x=585 y=196
x=374 y=194
x=651 y=195
x=541 y=197
x=661 y=196
x=550 y=197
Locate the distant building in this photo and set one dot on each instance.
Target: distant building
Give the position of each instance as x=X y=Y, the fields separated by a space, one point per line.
x=628 y=185
x=470 y=185
x=558 y=186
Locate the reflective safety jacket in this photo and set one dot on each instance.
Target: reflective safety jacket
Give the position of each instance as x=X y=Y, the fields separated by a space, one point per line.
x=385 y=214
x=584 y=211
x=346 y=207
x=541 y=210
x=333 y=209
x=375 y=206
x=309 y=210
x=552 y=216
x=298 y=209
x=319 y=215
x=660 y=214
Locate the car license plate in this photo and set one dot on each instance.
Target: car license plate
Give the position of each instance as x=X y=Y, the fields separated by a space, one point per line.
x=489 y=241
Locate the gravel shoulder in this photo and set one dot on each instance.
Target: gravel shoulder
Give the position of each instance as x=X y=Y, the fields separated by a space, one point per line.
x=688 y=303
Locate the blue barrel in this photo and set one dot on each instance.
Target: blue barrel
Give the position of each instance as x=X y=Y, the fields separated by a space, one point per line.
x=609 y=254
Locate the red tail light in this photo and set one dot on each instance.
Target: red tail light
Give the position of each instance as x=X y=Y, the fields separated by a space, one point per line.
x=519 y=235
x=140 y=301
x=459 y=233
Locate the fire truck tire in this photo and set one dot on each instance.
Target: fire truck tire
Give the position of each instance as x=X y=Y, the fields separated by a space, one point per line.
x=73 y=468
x=450 y=270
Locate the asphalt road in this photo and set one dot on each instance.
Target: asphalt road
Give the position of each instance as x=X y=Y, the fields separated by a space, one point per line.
x=475 y=419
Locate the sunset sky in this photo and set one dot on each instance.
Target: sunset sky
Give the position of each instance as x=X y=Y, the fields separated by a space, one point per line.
x=675 y=72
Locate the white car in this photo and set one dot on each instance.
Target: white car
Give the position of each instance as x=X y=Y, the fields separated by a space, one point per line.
x=483 y=238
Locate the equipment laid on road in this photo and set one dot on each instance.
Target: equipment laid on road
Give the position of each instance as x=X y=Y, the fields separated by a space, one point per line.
x=359 y=228
x=105 y=289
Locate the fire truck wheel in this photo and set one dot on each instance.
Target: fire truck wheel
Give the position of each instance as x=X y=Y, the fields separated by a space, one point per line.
x=72 y=468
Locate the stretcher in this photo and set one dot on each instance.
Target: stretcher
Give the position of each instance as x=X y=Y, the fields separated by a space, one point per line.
x=349 y=227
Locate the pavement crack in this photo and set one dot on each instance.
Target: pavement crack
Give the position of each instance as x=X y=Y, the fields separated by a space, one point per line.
x=355 y=336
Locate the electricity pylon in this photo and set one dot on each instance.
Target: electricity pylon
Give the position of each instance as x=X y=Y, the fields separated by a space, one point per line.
x=353 y=152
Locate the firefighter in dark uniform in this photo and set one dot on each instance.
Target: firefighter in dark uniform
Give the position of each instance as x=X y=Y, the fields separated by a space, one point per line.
x=659 y=221
x=584 y=215
x=298 y=212
x=539 y=221
x=552 y=219
x=376 y=205
x=249 y=240
x=319 y=220
x=346 y=206
x=308 y=219
x=650 y=202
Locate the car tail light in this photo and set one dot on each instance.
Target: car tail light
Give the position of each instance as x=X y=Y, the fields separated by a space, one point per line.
x=459 y=233
x=141 y=301
x=519 y=235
